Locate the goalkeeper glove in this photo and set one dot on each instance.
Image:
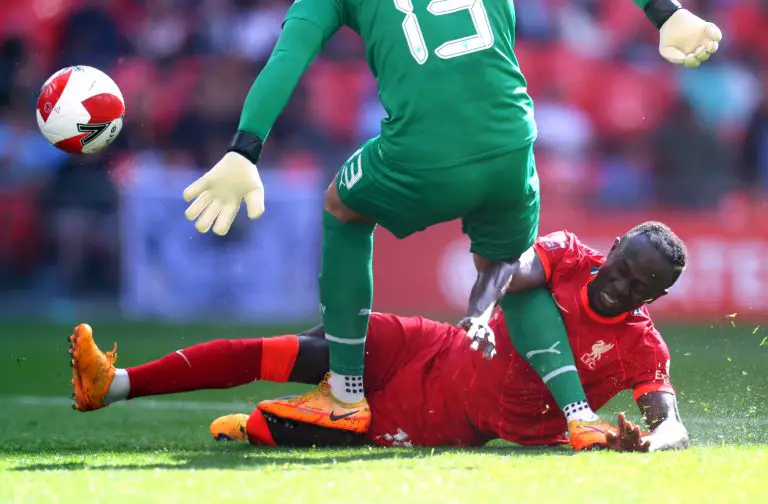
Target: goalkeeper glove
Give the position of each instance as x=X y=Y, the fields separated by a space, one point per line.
x=684 y=38
x=219 y=193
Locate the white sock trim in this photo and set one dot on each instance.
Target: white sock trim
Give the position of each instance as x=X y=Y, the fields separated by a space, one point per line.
x=558 y=372
x=347 y=388
x=119 y=388
x=347 y=341
x=579 y=410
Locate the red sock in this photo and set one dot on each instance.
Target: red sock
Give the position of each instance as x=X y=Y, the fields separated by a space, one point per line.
x=216 y=364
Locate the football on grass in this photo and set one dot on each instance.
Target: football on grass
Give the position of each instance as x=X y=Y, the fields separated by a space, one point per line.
x=80 y=110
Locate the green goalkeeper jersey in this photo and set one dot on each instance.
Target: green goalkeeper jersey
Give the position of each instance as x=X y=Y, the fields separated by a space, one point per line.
x=447 y=75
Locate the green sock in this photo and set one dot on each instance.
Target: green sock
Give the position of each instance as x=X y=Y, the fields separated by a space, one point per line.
x=538 y=334
x=346 y=294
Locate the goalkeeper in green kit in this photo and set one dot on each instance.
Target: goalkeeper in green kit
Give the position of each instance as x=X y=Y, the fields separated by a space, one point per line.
x=457 y=143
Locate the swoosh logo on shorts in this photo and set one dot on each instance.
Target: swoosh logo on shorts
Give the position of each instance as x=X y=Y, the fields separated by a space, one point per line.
x=334 y=417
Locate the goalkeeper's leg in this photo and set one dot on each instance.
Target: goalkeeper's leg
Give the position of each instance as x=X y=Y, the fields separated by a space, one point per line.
x=539 y=336
x=367 y=191
x=503 y=228
x=346 y=294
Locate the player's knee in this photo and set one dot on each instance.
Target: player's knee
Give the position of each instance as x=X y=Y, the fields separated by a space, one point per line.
x=334 y=206
x=481 y=263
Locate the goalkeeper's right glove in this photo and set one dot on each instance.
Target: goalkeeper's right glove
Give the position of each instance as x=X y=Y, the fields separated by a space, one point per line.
x=684 y=38
x=219 y=193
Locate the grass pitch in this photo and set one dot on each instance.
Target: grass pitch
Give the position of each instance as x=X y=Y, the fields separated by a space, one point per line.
x=159 y=450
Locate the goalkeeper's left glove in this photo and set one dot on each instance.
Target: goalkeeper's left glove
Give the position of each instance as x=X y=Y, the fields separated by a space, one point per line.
x=219 y=193
x=684 y=38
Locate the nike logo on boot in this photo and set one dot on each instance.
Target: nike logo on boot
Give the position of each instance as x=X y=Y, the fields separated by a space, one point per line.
x=333 y=416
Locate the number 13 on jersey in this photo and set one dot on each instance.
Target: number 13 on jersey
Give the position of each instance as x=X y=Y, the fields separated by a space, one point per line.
x=483 y=39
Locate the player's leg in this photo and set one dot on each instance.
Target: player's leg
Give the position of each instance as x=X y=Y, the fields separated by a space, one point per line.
x=346 y=292
x=218 y=364
x=398 y=350
x=502 y=230
x=539 y=336
x=346 y=295
x=365 y=191
x=265 y=429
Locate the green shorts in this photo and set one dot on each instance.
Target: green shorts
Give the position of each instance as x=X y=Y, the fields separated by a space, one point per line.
x=497 y=199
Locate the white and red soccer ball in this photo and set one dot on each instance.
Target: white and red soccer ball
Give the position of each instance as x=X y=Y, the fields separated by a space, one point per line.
x=80 y=110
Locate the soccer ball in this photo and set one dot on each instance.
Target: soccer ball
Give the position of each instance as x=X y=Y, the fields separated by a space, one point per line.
x=80 y=110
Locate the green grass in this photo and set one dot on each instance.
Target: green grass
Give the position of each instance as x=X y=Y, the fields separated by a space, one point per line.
x=159 y=451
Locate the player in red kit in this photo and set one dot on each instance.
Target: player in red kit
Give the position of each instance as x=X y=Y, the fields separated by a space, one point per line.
x=425 y=385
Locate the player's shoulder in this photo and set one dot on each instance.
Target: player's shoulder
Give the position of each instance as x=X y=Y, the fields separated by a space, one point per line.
x=557 y=240
x=564 y=244
x=327 y=14
x=563 y=239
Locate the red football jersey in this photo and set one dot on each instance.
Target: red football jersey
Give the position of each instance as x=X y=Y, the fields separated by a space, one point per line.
x=612 y=354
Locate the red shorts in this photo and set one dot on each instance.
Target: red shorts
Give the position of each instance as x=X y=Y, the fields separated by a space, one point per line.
x=427 y=388
x=409 y=387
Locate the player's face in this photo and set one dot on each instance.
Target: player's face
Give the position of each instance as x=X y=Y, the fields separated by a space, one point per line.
x=634 y=274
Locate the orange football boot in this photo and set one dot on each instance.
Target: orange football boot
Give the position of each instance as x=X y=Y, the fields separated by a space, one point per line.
x=92 y=370
x=230 y=427
x=320 y=407
x=589 y=434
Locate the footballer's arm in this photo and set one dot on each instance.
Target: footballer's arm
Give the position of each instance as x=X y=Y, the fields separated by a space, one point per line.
x=662 y=417
x=495 y=279
x=299 y=43
x=216 y=197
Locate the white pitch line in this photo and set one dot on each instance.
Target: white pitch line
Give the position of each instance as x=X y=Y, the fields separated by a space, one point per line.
x=155 y=404
x=244 y=406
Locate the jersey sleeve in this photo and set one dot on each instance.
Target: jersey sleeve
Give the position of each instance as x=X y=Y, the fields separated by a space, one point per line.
x=298 y=44
x=328 y=15
x=646 y=362
x=307 y=27
x=557 y=251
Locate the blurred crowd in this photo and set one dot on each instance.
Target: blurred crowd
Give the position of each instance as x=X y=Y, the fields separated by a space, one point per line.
x=619 y=127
